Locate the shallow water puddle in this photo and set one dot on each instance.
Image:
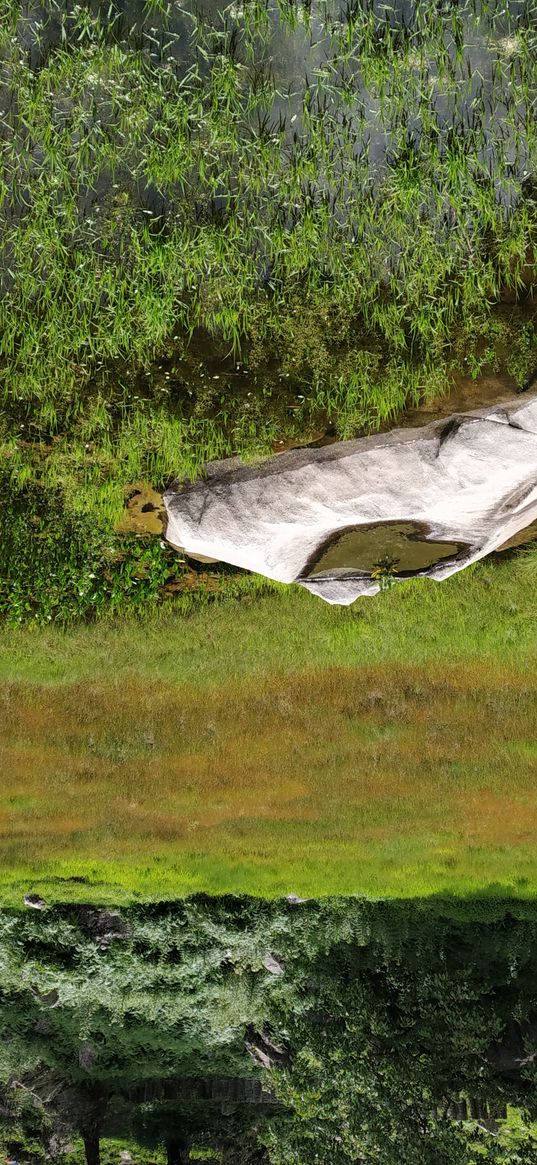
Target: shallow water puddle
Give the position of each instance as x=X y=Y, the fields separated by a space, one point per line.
x=466 y=393
x=399 y=546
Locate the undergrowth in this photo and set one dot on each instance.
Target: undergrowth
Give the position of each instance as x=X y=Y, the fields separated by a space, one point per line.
x=57 y=565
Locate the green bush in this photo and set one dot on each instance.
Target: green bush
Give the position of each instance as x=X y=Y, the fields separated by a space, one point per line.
x=55 y=564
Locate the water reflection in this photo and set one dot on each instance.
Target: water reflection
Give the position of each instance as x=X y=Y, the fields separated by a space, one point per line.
x=246 y=1031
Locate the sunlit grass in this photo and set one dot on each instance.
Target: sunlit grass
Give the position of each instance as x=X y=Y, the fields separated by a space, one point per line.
x=333 y=781
x=385 y=749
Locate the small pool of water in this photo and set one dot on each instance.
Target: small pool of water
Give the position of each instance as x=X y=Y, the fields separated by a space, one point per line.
x=401 y=547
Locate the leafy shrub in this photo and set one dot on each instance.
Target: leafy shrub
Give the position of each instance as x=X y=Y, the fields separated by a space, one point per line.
x=55 y=564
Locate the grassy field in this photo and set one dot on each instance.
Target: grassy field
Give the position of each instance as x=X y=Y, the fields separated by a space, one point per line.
x=278 y=746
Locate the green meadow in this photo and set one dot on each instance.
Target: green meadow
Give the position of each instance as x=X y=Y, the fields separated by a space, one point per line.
x=276 y=745
x=224 y=231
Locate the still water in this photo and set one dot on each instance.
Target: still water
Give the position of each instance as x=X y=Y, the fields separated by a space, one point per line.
x=401 y=546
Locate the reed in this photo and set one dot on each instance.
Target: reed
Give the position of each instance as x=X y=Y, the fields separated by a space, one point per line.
x=231 y=172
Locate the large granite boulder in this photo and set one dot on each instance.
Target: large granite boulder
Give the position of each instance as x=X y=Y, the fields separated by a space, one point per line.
x=340 y=518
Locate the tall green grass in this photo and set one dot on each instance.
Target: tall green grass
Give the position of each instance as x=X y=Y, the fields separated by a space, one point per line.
x=406 y=246
x=334 y=196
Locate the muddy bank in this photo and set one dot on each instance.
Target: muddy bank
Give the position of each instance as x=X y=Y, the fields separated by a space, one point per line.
x=468 y=481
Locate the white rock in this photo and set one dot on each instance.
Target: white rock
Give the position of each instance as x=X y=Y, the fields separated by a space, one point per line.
x=34 y=902
x=273 y=965
x=471 y=479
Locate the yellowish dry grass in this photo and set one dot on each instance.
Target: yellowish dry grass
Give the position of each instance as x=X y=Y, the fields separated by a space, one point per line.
x=339 y=779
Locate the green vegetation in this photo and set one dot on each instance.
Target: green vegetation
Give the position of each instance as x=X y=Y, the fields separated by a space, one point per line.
x=59 y=566
x=365 y=757
x=226 y=229
x=258 y=1033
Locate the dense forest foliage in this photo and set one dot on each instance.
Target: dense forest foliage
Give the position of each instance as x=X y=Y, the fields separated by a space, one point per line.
x=289 y=1033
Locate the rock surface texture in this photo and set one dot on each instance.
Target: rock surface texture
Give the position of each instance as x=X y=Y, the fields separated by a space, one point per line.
x=470 y=480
